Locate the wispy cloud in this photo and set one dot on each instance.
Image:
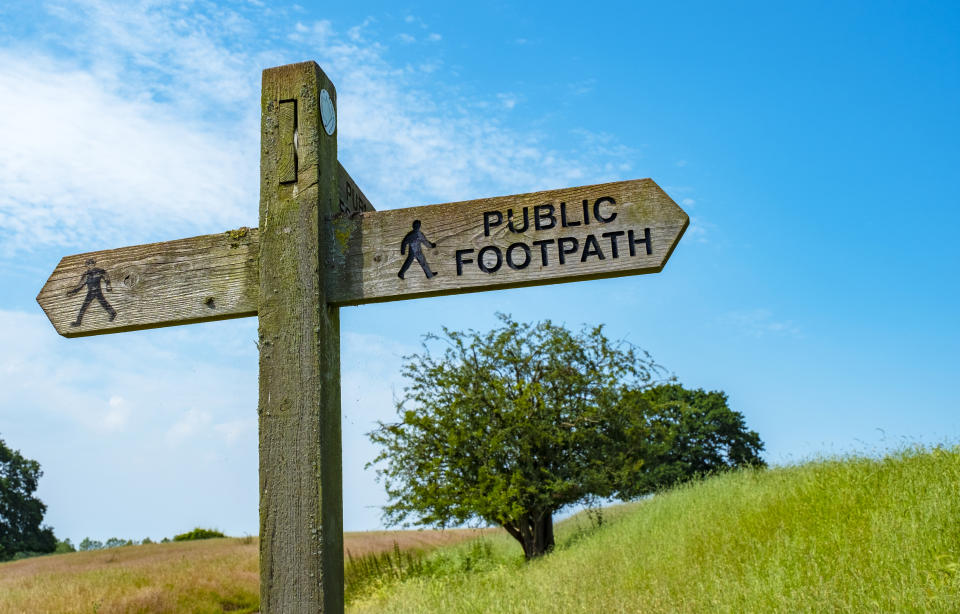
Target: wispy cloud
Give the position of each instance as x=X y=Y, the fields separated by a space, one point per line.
x=234 y=430
x=586 y=86
x=148 y=128
x=507 y=100
x=140 y=381
x=117 y=413
x=317 y=32
x=190 y=424
x=82 y=164
x=760 y=323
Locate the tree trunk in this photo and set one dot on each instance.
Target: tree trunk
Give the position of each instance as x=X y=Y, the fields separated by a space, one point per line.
x=546 y=533
x=535 y=534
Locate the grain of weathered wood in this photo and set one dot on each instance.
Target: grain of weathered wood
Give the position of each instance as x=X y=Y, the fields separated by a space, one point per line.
x=200 y=279
x=301 y=516
x=584 y=233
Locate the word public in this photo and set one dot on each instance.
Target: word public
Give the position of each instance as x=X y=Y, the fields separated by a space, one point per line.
x=561 y=250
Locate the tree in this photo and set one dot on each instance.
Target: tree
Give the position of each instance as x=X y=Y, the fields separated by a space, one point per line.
x=687 y=434
x=20 y=512
x=509 y=427
x=64 y=547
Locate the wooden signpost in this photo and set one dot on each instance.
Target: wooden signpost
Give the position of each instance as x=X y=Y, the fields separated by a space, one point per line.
x=320 y=245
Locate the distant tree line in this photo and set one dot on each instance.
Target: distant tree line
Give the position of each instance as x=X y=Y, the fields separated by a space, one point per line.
x=86 y=545
x=22 y=532
x=89 y=544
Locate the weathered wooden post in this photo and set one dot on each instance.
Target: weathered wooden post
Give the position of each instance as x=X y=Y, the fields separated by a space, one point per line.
x=301 y=510
x=320 y=246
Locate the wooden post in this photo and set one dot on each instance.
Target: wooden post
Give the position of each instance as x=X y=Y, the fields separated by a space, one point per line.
x=301 y=510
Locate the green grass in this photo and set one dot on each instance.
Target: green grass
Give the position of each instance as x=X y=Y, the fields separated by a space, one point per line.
x=839 y=535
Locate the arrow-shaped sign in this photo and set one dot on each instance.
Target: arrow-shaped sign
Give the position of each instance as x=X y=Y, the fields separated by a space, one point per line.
x=588 y=232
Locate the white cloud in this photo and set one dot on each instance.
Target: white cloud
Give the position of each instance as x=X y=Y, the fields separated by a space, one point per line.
x=356 y=33
x=412 y=19
x=233 y=430
x=130 y=136
x=407 y=145
x=134 y=375
x=190 y=424
x=83 y=166
x=150 y=131
x=760 y=323
x=317 y=32
x=403 y=37
x=117 y=414
x=688 y=202
x=586 y=86
x=166 y=51
x=508 y=101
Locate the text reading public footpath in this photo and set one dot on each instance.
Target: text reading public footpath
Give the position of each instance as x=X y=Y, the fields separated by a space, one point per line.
x=519 y=255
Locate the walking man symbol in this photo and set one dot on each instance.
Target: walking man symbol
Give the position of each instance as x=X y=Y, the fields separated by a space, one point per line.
x=91 y=279
x=415 y=240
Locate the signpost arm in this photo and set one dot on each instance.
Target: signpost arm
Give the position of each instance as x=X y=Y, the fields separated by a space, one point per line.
x=301 y=513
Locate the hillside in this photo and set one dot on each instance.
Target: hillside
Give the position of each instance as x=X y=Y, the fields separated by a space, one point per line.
x=852 y=535
x=843 y=535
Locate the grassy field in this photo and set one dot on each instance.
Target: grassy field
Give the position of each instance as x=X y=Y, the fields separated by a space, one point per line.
x=214 y=575
x=848 y=535
x=853 y=535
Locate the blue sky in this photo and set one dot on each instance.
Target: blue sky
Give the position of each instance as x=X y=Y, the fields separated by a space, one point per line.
x=814 y=146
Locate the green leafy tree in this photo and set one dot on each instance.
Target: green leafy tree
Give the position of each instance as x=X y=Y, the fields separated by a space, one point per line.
x=509 y=427
x=64 y=547
x=21 y=513
x=684 y=434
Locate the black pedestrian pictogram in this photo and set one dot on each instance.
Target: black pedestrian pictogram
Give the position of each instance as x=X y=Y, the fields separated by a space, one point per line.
x=415 y=240
x=91 y=279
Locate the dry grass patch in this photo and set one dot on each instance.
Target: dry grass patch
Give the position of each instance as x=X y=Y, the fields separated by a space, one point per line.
x=217 y=575
x=213 y=575
x=369 y=542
